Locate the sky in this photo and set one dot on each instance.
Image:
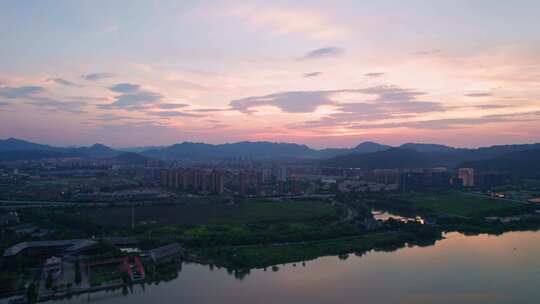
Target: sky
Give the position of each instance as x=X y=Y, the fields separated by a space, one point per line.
x=321 y=73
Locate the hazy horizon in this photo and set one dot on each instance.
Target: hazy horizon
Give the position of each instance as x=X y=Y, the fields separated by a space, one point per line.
x=271 y=141
x=142 y=73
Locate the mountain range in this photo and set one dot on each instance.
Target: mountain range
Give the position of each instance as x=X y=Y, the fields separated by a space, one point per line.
x=17 y=149
x=13 y=149
x=520 y=163
x=520 y=160
x=366 y=155
x=385 y=159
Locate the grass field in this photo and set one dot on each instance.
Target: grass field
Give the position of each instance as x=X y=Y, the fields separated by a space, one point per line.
x=206 y=214
x=458 y=203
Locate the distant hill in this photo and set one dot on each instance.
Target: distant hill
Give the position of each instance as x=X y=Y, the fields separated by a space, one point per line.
x=140 y=149
x=365 y=147
x=369 y=147
x=96 y=150
x=386 y=159
x=17 y=149
x=427 y=147
x=32 y=155
x=495 y=151
x=521 y=163
x=255 y=150
x=13 y=144
x=434 y=154
x=454 y=157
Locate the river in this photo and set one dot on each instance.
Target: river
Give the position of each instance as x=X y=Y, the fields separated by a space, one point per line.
x=458 y=269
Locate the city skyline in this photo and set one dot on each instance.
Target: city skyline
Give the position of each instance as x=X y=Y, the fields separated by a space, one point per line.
x=326 y=75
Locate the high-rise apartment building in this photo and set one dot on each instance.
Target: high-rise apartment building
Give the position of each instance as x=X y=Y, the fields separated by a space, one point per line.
x=467 y=176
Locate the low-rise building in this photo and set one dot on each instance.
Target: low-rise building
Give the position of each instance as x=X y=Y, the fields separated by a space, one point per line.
x=48 y=248
x=166 y=253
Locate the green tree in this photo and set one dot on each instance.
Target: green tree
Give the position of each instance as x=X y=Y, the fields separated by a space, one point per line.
x=49 y=281
x=77 y=272
x=31 y=293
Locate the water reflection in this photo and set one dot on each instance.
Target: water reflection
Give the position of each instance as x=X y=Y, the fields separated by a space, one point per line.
x=459 y=269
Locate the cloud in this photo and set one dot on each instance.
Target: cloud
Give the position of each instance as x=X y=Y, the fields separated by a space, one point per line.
x=4 y=103
x=168 y=106
x=173 y=114
x=204 y=110
x=388 y=107
x=133 y=101
x=132 y=97
x=327 y=52
x=373 y=75
x=125 y=88
x=313 y=74
x=518 y=116
x=413 y=122
x=372 y=104
x=389 y=94
x=292 y=102
x=452 y=123
x=63 y=82
x=111 y=117
x=86 y=98
x=50 y=104
x=219 y=126
x=351 y=113
x=491 y=106
x=39 y=97
x=427 y=52
x=481 y=94
x=284 y=21
x=385 y=97
x=20 y=92
x=97 y=76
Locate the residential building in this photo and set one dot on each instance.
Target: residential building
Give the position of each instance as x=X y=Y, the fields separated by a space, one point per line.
x=467 y=176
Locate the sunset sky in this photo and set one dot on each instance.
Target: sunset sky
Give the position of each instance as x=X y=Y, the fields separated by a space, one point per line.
x=321 y=73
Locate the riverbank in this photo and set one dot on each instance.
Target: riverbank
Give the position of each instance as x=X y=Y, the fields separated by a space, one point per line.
x=482 y=269
x=261 y=256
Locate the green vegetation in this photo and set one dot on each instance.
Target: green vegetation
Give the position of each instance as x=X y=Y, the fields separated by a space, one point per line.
x=49 y=281
x=457 y=203
x=32 y=293
x=7 y=280
x=477 y=226
x=260 y=233
x=204 y=214
x=259 y=256
x=104 y=274
x=77 y=272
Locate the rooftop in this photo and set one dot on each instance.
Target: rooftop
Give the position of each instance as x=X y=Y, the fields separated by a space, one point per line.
x=70 y=245
x=166 y=251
